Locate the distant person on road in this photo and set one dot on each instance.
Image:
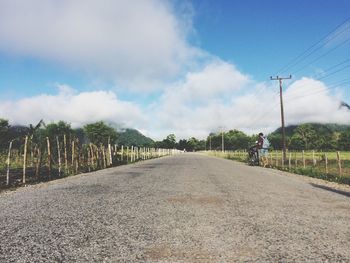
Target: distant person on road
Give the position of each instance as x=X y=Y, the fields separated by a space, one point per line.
x=263 y=148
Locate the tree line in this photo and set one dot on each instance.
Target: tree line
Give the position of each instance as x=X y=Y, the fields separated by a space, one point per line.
x=309 y=136
x=96 y=133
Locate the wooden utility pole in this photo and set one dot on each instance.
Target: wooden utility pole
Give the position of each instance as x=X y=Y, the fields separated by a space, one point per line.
x=222 y=141
x=282 y=113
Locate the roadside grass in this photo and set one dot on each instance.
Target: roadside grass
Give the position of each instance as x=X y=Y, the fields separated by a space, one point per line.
x=312 y=164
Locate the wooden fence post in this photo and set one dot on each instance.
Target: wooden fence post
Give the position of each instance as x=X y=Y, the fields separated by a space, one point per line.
x=127 y=154
x=110 y=154
x=38 y=163
x=59 y=156
x=8 y=164
x=104 y=156
x=122 y=153
x=25 y=159
x=88 y=158
x=326 y=162
x=98 y=158
x=91 y=150
x=77 y=157
x=65 y=154
x=49 y=156
x=339 y=163
x=73 y=154
x=290 y=161
x=131 y=153
x=115 y=153
x=271 y=160
x=313 y=158
x=303 y=157
x=276 y=155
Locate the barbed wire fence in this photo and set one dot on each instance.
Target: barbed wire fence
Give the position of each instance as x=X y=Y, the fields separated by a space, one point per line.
x=28 y=161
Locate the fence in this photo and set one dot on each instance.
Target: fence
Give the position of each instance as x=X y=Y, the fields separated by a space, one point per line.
x=54 y=158
x=326 y=165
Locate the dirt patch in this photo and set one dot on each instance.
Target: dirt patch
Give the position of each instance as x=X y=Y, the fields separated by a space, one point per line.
x=164 y=252
x=200 y=200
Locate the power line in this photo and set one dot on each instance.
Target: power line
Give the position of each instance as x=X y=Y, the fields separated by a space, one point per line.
x=334 y=72
x=317 y=91
x=340 y=82
x=323 y=55
x=328 y=73
x=300 y=57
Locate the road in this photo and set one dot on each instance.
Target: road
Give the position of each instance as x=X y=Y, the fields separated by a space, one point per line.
x=184 y=208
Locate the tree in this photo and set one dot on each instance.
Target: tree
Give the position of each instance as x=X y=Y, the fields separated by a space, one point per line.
x=100 y=133
x=192 y=144
x=169 y=142
x=182 y=145
x=307 y=136
x=236 y=140
x=130 y=137
x=58 y=129
x=4 y=133
x=344 y=140
x=295 y=143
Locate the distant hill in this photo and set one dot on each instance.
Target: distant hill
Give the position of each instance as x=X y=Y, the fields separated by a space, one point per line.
x=345 y=105
x=320 y=128
x=130 y=137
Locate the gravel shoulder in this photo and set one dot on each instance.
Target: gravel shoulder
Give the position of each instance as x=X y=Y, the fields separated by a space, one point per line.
x=184 y=208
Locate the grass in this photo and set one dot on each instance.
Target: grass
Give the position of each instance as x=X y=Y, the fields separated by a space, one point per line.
x=315 y=163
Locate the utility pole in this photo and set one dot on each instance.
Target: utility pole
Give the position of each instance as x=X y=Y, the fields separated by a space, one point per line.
x=222 y=141
x=282 y=114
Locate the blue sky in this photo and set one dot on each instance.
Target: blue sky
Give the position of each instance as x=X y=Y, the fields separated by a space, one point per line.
x=186 y=67
x=260 y=37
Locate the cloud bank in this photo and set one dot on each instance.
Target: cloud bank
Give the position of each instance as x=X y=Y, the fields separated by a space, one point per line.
x=72 y=107
x=247 y=106
x=138 y=44
x=142 y=45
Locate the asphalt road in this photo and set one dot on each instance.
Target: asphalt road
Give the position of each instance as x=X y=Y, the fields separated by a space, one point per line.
x=184 y=208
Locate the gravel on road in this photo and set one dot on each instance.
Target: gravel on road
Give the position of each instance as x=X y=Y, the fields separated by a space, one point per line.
x=183 y=208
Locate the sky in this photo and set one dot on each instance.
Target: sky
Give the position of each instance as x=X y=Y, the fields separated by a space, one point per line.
x=188 y=67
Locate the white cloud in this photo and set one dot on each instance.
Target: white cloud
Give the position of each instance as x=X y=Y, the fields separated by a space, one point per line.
x=137 y=43
x=309 y=100
x=252 y=109
x=75 y=108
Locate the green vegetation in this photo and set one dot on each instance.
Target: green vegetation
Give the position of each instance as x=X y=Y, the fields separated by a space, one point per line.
x=319 y=143
x=100 y=133
x=312 y=164
x=314 y=136
x=129 y=137
x=96 y=133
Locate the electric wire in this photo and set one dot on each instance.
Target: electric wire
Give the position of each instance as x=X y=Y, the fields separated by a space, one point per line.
x=326 y=38
x=318 y=91
x=321 y=56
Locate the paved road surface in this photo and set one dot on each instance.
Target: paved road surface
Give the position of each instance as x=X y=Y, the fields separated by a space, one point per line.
x=185 y=208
